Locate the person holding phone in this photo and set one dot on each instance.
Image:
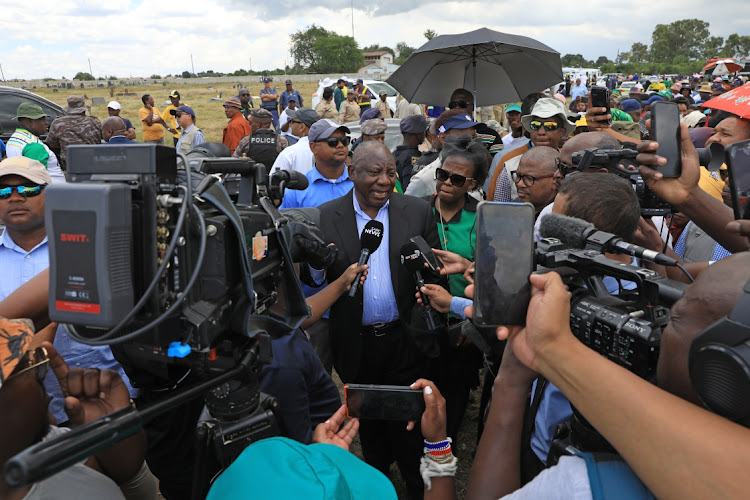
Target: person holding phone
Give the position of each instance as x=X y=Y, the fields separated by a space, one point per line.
x=464 y=168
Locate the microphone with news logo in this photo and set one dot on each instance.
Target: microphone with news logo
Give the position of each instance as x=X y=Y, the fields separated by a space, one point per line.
x=369 y=240
x=413 y=259
x=578 y=233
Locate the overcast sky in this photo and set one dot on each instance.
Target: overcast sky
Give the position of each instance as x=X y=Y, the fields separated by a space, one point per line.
x=54 y=38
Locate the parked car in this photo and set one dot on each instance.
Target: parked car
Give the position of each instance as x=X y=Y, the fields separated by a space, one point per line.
x=626 y=86
x=393 y=137
x=10 y=98
x=375 y=87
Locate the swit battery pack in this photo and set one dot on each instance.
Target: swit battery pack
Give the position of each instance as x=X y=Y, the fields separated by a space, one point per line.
x=89 y=232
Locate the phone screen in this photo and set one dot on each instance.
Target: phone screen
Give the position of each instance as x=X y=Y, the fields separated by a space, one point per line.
x=383 y=402
x=504 y=261
x=665 y=129
x=600 y=99
x=738 y=166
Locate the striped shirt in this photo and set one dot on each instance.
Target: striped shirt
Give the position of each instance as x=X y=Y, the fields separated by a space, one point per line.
x=20 y=138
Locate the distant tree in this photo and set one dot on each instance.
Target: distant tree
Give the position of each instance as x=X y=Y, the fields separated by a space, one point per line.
x=430 y=34
x=404 y=52
x=186 y=74
x=379 y=48
x=573 y=61
x=83 y=76
x=155 y=77
x=684 y=37
x=608 y=67
x=737 y=46
x=622 y=57
x=638 y=53
x=323 y=51
x=601 y=60
x=713 y=46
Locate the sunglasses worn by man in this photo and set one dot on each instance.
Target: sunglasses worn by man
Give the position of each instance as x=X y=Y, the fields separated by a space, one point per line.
x=27 y=190
x=458 y=104
x=457 y=180
x=548 y=126
x=334 y=141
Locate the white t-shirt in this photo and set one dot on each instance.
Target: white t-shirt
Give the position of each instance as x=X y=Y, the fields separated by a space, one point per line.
x=568 y=480
x=283 y=118
x=298 y=157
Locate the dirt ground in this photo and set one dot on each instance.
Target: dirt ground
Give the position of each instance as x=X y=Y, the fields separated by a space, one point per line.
x=464 y=447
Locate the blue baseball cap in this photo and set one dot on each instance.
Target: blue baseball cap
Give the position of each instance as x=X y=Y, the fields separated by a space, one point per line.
x=513 y=107
x=459 y=122
x=629 y=105
x=267 y=79
x=183 y=109
x=653 y=99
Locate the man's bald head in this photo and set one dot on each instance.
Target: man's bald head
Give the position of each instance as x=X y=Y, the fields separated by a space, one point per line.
x=542 y=154
x=113 y=126
x=370 y=150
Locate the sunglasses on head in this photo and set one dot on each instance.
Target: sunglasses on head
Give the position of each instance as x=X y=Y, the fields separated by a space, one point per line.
x=458 y=104
x=25 y=190
x=457 y=180
x=37 y=359
x=334 y=141
x=548 y=126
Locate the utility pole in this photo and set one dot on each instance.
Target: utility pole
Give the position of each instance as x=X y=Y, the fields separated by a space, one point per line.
x=90 y=71
x=1 y=72
x=191 y=63
x=352 y=18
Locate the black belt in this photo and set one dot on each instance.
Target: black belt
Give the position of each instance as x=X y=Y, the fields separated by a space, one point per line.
x=379 y=329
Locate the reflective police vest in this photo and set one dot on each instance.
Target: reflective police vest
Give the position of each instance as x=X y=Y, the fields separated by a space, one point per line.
x=263 y=147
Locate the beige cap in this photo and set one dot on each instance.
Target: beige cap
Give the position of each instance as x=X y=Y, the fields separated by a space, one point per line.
x=26 y=168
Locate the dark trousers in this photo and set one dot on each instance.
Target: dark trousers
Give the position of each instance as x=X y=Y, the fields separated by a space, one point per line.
x=392 y=360
x=321 y=342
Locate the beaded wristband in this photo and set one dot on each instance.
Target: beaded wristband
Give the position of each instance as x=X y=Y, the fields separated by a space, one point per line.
x=439 y=445
x=439 y=453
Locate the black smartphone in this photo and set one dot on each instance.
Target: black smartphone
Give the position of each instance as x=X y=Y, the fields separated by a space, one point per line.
x=383 y=402
x=504 y=261
x=427 y=254
x=665 y=129
x=738 y=168
x=600 y=99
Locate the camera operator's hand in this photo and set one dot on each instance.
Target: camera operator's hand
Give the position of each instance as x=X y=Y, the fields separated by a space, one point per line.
x=331 y=431
x=674 y=190
x=547 y=320
x=452 y=262
x=434 y=418
x=89 y=394
x=439 y=297
x=512 y=372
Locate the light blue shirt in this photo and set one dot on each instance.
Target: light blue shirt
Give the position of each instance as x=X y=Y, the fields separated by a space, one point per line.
x=379 y=300
x=319 y=191
x=19 y=266
x=458 y=304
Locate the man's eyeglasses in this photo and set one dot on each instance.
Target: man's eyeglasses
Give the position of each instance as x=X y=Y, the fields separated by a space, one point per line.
x=457 y=180
x=37 y=359
x=27 y=191
x=564 y=168
x=295 y=121
x=334 y=141
x=458 y=104
x=244 y=95
x=548 y=126
x=528 y=180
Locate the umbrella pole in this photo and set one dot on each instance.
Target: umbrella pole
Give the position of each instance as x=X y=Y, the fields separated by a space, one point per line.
x=474 y=64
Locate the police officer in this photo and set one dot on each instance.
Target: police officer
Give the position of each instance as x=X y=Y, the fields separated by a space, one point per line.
x=262 y=144
x=270 y=101
x=413 y=129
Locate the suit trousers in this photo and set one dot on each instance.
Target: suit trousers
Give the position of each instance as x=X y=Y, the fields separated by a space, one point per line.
x=392 y=360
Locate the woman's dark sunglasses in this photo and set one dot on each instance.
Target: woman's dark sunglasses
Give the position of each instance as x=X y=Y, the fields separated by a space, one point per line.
x=27 y=191
x=334 y=141
x=457 y=180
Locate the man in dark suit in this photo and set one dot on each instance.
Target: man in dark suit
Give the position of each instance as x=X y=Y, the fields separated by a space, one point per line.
x=376 y=336
x=113 y=131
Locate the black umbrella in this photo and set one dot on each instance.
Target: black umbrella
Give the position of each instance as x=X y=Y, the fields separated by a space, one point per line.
x=505 y=68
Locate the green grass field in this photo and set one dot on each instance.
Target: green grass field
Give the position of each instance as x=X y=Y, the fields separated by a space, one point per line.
x=210 y=116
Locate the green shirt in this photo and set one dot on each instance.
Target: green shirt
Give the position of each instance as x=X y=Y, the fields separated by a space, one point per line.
x=457 y=236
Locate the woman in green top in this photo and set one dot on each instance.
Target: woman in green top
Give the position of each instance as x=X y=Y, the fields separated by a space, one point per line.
x=464 y=169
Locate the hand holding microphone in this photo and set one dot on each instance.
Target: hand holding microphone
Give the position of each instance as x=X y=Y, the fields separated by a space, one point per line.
x=369 y=240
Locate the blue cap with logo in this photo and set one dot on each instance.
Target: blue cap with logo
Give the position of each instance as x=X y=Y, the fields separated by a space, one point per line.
x=322 y=129
x=629 y=105
x=459 y=122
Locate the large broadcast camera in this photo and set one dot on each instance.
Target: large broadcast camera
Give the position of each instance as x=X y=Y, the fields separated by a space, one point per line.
x=177 y=274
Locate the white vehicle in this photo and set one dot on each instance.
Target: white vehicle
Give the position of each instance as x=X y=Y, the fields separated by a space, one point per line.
x=626 y=86
x=375 y=87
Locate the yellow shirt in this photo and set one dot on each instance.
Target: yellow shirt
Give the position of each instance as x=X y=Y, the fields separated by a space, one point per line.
x=151 y=132
x=169 y=118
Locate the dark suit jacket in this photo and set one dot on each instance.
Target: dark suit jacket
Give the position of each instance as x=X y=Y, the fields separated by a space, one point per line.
x=408 y=216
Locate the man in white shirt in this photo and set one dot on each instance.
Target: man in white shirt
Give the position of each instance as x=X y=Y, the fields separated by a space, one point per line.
x=298 y=157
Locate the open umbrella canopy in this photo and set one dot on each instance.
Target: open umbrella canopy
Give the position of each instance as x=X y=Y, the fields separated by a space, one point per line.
x=497 y=67
x=722 y=66
x=735 y=101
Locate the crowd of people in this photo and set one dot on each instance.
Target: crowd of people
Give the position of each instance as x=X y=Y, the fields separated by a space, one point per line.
x=428 y=186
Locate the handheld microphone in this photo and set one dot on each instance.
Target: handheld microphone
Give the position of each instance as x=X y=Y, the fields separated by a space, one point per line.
x=370 y=240
x=412 y=258
x=578 y=233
